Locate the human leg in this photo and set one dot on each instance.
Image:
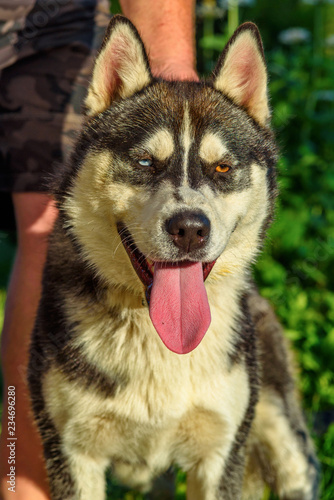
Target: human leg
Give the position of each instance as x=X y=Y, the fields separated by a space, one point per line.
x=35 y=215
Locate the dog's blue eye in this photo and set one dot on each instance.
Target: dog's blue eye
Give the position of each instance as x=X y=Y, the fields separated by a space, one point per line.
x=145 y=162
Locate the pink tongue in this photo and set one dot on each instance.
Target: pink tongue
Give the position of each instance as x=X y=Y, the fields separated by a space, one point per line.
x=179 y=307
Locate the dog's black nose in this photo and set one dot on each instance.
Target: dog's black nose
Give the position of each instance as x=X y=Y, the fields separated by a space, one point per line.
x=188 y=230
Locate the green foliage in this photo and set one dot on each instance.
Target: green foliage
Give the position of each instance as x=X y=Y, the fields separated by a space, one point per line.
x=116 y=491
x=325 y=447
x=296 y=272
x=7 y=249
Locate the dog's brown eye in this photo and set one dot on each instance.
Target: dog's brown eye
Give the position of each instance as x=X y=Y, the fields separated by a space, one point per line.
x=223 y=168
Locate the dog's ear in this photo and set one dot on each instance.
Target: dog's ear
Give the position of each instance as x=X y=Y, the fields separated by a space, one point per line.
x=121 y=67
x=241 y=72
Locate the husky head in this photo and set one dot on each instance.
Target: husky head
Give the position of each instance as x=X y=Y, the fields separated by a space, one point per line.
x=171 y=181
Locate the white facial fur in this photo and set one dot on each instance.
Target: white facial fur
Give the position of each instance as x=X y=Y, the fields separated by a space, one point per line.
x=211 y=148
x=236 y=218
x=160 y=144
x=245 y=209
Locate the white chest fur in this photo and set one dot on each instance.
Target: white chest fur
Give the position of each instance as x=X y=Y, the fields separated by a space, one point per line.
x=170 y=408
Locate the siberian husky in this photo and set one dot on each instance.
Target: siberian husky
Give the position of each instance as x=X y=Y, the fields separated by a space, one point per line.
x=151 y=346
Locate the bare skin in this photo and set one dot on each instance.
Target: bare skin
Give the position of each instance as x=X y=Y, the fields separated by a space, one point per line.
x=35 y=214
x=168 y=30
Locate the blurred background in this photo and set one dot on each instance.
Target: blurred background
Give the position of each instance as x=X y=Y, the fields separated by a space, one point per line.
x=296 y=269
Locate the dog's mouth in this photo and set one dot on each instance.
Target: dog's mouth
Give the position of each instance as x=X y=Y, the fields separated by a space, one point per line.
x=144 y=266
x=176 y=296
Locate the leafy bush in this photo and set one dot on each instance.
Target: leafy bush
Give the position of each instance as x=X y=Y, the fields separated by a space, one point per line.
x=296 y=272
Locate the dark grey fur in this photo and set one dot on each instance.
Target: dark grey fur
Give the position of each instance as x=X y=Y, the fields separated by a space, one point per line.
x=277 y=375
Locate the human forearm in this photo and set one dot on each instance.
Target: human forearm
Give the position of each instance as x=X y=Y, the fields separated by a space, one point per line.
x=168 y=30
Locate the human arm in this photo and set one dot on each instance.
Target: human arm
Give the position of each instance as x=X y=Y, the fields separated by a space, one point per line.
x=168 y=31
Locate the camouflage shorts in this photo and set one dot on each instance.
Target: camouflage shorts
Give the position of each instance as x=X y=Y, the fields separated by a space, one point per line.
x=41 y=96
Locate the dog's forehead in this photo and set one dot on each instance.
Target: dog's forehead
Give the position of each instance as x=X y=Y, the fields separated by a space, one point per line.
x=159 y=143
x=212 y=147
x=186 y=117
x=171 y=115
x=186 y=130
